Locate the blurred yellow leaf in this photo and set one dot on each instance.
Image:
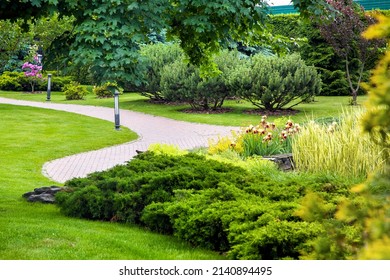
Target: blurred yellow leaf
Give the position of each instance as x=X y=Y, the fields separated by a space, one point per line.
x=380 y=29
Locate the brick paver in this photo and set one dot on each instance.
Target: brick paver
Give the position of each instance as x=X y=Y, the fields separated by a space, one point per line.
x=150 y=129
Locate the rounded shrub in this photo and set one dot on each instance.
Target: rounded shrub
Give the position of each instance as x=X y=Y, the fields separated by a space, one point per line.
x=106 y=90
x=156 y=57
x=11 y=81
x=102 y=91
x=17 y=81
x=181 y=82
x=273 y=83
x=58 y=82
x=74 y=91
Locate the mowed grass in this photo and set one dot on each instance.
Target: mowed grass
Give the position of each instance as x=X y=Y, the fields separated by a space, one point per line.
x=28 y=138
x=323 y=107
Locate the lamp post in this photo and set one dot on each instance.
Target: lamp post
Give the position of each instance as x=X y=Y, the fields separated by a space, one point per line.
x=48 y=87
x=39 y=57
x=116 y=109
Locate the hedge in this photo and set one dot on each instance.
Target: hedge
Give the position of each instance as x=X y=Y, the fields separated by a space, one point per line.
x=207 y=203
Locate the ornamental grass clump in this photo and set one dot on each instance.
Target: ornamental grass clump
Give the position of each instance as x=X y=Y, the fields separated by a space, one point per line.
x=264 y=139
x=339 y=149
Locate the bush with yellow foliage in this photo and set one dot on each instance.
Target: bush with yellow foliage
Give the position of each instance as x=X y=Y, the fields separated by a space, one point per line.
x=360 y=228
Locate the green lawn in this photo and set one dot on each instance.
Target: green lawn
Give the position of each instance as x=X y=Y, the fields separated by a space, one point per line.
x=29 y=137
x=323 y=107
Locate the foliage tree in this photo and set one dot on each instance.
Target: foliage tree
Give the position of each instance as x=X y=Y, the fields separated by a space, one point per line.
x=11 y=42
x=18 y=42
x=47 y=31
x=314 y=50
x=343 y=33
x=108 y=32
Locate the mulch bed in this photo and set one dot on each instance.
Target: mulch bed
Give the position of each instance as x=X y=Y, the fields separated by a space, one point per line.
x=260 y=112
x=163 y=102
x=281 y=112
x=209 y=111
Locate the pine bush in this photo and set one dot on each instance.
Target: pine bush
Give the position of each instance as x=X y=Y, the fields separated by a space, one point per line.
x=274 y=83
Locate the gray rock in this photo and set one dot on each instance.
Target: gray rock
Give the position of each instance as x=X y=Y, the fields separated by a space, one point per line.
x=43 y=194
x=51 y=190
x=43 y=197
x=284 y=161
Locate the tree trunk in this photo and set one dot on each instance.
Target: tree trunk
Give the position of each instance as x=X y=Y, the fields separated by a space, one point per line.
x=354 y=97
x=354 y=91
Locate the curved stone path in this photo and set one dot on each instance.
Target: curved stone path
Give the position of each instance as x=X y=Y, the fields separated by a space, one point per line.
x=150 y=129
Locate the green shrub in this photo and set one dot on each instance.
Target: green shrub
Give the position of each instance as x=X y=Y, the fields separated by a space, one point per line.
x=74 y=91
x=11 y=81
x=58 y=82
x=17 y=81
x=335 y=83
x=150 y=178
x=166 y=149
x=90 y=203
x=181 y=82
x=249 y=213
x=200 y=217
x=249 y=222
x=216 y=89
x=106 y=90
x=275 y=240
x=102 y=91
x=275 y=82
x=157 y=56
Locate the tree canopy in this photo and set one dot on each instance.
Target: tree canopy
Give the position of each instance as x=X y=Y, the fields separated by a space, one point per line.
x=343 y=33
x=108 y=33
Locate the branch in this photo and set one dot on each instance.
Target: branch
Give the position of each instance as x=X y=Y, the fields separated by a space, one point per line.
x=360 y=76
x=348 y=73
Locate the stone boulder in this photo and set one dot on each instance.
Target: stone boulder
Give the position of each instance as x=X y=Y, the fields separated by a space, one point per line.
x=284 y=161
x=44 y=194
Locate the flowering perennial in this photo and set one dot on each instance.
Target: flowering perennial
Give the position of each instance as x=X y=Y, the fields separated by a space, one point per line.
x=33 y=72
x=264 y=139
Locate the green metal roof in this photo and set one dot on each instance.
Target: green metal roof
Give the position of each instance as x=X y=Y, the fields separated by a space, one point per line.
x=367 y=5
x=285 y=9
x=375 y=4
